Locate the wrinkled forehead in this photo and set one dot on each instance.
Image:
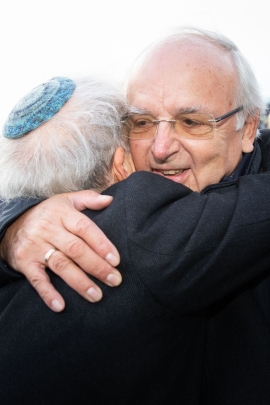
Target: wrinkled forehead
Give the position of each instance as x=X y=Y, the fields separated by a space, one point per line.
x=188 y=72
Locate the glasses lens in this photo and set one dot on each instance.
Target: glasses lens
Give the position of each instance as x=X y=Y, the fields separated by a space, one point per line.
x=141 y=127
x=188 y=126
x=195 y=126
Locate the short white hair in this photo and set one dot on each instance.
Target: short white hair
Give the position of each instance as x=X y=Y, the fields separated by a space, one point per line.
x=72 y=151
x=248 y=92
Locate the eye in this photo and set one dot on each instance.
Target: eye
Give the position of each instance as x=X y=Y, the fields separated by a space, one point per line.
x=191 y=123
x=142 y=123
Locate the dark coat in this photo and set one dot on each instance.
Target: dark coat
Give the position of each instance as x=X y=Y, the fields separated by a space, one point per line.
x=144 y=343
x=238 y=327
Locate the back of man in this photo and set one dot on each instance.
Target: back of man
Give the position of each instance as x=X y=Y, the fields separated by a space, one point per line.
x=144 y=342
x=126 y=349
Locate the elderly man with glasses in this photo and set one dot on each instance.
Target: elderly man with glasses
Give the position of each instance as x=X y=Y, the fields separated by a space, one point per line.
x=176 y=90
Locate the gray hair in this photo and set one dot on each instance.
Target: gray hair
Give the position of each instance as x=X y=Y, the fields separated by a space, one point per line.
x=248 y=91
x=73 y=151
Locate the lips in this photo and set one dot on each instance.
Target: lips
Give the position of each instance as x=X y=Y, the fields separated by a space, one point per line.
x=171 y=172
x=176 y=175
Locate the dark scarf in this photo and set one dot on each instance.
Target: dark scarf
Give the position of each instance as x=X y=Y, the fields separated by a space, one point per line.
x=239 y=170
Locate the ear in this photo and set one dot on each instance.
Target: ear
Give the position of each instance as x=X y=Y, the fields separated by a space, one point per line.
x=249 y=134
x=123 y=165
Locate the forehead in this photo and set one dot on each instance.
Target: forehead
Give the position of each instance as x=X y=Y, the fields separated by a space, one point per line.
x=184 y=74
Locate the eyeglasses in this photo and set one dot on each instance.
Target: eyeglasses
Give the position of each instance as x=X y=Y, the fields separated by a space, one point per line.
x=187 y=125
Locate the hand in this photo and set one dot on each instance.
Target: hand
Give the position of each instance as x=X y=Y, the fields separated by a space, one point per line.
x=57 y=224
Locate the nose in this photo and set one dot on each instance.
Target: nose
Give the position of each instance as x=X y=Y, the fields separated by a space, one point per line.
x=166 y=142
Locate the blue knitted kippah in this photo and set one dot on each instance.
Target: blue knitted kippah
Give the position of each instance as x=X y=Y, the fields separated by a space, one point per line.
x=38 y=106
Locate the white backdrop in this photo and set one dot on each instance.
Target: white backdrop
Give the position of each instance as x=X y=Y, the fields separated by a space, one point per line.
x=41 y=39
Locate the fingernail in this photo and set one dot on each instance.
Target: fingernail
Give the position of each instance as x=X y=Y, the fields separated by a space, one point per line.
x=114 y=279
x=105 y=198
x=57 y=306
x=112 y=259
x=94 y=293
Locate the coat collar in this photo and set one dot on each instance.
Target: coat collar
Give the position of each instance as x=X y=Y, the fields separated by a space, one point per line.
x=250 y=164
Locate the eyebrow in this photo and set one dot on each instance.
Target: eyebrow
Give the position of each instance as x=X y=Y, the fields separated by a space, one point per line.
x=136 y=110
x=181 y=110
x=190 y=110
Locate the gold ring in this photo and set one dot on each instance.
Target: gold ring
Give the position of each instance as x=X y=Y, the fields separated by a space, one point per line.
x=48 y=255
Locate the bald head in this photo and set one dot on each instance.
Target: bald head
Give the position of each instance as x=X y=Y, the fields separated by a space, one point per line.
x=247 y=92
x=190 y=71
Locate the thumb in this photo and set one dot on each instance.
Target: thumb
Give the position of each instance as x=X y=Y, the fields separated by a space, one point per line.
x=89 y=199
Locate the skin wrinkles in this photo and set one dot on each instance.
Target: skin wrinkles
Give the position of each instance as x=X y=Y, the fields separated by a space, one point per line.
x=194 y=73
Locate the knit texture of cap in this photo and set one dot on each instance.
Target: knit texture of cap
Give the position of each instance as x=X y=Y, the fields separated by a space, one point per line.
x=38 y=106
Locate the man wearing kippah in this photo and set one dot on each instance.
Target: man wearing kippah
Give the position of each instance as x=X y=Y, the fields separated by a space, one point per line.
x=197 y=128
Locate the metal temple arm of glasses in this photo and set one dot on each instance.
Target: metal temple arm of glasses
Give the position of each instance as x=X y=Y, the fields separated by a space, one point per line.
x=227 y=115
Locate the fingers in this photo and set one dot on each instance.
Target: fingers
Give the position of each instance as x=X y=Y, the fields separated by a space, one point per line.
x=89 y=199
x=75 y=248
x=39 y=279
x=56 y=224
x=69 y=272
x=74 y=277
x=80 y=225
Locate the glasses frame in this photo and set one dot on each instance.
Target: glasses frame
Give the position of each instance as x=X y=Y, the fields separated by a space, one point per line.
x=222 y=117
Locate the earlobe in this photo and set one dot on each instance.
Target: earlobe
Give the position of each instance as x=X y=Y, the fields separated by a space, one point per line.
x=249 y=134
x=247 y=145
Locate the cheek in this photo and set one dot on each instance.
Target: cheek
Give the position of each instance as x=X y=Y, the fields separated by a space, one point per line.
x=203 y=152
x=229 y=149
x=214 y=159
x=140 y=151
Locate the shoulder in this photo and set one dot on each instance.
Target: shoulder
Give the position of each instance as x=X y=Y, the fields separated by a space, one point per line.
x=154 y=189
